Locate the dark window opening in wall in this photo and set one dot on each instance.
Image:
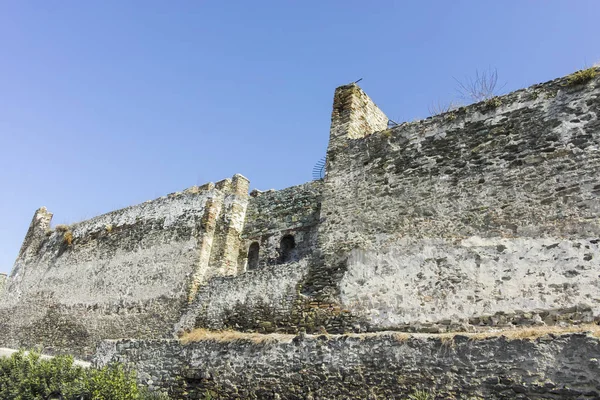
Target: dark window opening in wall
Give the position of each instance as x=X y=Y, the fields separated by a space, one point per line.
x=287 y=249
x=253 y=256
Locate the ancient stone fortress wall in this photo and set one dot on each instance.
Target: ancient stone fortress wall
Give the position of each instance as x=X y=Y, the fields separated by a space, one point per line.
x=127 y=273
x=365 y=366
x=481 y=218
x=486 y=215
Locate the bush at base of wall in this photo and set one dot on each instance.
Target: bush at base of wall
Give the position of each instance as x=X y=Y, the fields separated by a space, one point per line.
x=28 y=376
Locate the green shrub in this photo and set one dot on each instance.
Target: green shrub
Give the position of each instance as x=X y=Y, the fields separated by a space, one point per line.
x=148 y=395
x=26 y=376
x=421 y=395
x=112 y=382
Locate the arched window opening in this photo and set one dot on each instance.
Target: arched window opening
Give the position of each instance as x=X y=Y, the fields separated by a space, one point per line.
x=287 y=248
x=253 y=256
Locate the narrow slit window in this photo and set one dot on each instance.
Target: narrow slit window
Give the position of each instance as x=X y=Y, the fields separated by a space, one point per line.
x=287 y=249
x=253 y=256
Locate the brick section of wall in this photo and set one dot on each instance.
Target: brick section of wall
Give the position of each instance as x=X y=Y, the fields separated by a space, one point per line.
x=223 y=220
x=376 y=366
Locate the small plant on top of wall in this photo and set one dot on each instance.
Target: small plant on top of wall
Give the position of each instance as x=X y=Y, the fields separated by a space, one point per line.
x=61 y=228
x=582 y=76
x=483 y=86
x=451 y=116
x=492 y=103
x=442 y=108
x=68 y=238
x=534 y=95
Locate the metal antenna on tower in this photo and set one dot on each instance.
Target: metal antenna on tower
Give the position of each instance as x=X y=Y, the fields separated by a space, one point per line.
x=318 y=172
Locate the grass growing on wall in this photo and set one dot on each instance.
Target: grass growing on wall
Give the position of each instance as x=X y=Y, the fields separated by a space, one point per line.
x=68 y=238
x=582 y=76
x=200 y=334
x=28 y=376
x=420 y=395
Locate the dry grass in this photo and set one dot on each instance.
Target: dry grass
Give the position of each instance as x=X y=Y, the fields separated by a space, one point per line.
x=61 y=228
x=201 y=334
x=192 y=190
x=447 y=339
x=539 y=331
x=68 y=238
x=401 y=336
x=523 y=333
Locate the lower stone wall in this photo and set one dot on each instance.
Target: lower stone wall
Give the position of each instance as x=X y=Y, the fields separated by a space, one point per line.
x=56 y=328
x=367 y=366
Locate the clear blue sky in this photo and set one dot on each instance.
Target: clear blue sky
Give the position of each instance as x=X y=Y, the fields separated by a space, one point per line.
x=104 y=104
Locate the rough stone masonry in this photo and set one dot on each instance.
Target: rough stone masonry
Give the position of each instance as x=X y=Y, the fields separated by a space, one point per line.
x=366 y=366
x=482 y=218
